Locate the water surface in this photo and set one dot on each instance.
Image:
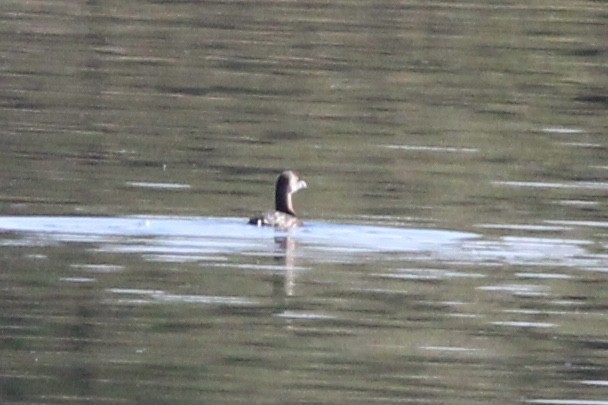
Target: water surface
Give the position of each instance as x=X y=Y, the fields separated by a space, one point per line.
x=455 y=247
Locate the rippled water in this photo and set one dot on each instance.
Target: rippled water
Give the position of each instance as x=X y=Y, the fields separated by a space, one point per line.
x=455 y=247
x=186 y=305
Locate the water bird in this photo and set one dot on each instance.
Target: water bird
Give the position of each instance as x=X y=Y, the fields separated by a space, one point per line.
x=284 y=216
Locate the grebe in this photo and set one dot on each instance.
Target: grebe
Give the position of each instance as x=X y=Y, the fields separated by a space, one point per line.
x=284 y=217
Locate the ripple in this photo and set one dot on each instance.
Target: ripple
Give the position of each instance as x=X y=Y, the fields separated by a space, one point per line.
x=98 y=268
x=450 y=349
x=521 y=324
x=532 y=251
x=547 y=276
x=424 y=148
x=264 y=267
x=593 y=224
x=578 y=203
x=566 y=402
x=582 y=144
x=161 y=296
x=303 y=315
x=77 y=279
x=182 y=258
x=562 y=130
x=598 y=383
x=427 y=274
x=580 y=185
x=524 y=227
x=166 y=186
x=517 y=289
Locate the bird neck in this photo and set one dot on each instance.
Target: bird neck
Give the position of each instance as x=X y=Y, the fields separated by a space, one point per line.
x=283 y=201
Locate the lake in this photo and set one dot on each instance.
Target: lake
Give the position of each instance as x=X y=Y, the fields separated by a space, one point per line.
x=455 y=239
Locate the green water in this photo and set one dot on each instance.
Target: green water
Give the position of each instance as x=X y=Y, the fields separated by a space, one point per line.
x=481 y=117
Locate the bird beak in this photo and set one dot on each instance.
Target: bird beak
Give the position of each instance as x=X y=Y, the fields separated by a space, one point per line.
x=302 y=184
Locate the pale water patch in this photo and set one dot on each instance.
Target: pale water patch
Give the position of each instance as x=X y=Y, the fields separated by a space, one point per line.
x=192 y=239
x=185 y=235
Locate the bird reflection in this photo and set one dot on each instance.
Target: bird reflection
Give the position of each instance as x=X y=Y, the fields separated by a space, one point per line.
x=283 y=284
